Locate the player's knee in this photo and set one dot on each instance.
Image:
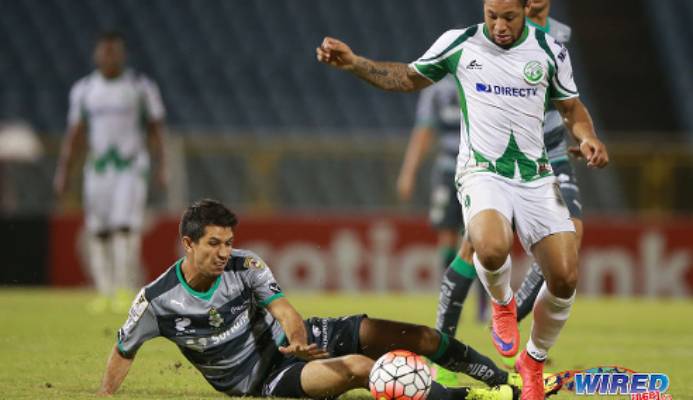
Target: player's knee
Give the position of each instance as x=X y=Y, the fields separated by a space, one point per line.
x=564 y=285
x=357 y=369
x=492 y=256
x=428 y=339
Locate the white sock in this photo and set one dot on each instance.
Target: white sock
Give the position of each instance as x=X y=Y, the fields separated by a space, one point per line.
x=497 y=283
x=550 y=314
x=99 y=264
x=121 y=260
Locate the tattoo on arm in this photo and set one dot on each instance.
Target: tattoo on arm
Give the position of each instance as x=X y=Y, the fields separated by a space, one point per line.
x=386 y=75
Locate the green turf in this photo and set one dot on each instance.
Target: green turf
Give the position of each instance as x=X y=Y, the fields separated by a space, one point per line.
x=50 y=348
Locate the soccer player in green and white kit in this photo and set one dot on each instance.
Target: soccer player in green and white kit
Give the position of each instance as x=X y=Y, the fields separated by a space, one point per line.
x=503 y=172
x=228 y=316
x=115 y=112
x=461 y=273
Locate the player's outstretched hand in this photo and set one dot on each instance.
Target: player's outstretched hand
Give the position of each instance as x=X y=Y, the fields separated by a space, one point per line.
x=594 y=152
x=336 y=53
x=304 y=352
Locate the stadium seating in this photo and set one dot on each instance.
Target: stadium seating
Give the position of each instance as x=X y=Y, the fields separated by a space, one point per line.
x=221 y=64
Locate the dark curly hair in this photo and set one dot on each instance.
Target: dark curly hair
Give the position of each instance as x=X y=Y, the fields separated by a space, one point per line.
x=204 y=213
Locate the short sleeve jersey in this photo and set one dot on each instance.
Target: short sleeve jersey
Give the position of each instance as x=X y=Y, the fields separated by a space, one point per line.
x=115 y=112
x=504 y=94
x=438 y=108
x=226 y=332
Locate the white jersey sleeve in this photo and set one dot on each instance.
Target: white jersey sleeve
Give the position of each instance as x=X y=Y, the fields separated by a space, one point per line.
x=562 y=85
x=77 y=111
x=153 y=104
x=439 y=60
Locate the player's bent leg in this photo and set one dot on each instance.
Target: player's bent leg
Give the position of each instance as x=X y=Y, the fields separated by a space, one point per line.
x=491 y=235
x=454 y=288
x=527 y=294
x=457 y=280
x=557 y=255
x=122 y=269
x=334 y=376
x=377 y=337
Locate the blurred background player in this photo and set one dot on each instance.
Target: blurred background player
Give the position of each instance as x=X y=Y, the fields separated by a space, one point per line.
x=114 y=111
x=460 y=275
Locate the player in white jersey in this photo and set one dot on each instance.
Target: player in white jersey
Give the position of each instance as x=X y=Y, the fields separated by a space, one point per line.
x=116 y=111
x=503 y=172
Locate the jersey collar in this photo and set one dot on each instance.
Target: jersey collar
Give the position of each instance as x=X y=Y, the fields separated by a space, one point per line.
x=523 y=37
x=200 y=295
x=544 y=29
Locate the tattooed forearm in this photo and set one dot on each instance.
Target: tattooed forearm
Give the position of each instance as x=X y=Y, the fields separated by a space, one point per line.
x=385 y=75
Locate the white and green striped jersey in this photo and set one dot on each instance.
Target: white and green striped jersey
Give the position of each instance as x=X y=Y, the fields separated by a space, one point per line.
x=504 y=94
x=115 y=111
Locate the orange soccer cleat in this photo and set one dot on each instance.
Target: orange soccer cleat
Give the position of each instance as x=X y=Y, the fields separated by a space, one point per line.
x=504 y=331
x=532 y=373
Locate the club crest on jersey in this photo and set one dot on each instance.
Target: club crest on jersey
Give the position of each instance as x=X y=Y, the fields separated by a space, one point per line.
x=215 y=318
x=533 y=72
x=254 y=263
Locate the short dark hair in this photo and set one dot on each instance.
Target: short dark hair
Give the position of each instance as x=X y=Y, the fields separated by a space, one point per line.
x=523 y=3
x=109 y=36
x=204 y=213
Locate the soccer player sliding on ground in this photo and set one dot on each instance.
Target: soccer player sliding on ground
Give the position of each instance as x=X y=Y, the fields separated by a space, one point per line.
x=503 y=173
x=226 y=313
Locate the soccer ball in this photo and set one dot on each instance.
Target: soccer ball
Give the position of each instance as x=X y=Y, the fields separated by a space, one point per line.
x=400 y=375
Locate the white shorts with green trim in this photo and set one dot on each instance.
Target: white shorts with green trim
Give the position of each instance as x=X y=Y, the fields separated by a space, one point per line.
x=536 y=209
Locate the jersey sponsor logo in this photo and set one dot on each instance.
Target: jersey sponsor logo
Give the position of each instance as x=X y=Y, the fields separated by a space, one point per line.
x=274 y=287
x=182 y=323
x=533 y=72
x=174 y=301
x=252 y=262
x=316 y=331
x=139 y=305
x=241 y=321
x=562 y=54
x=474 y=64
x=215 y=318
x=505 y=90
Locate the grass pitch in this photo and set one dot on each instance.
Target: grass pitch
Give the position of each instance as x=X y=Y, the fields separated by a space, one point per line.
x=50 y=348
